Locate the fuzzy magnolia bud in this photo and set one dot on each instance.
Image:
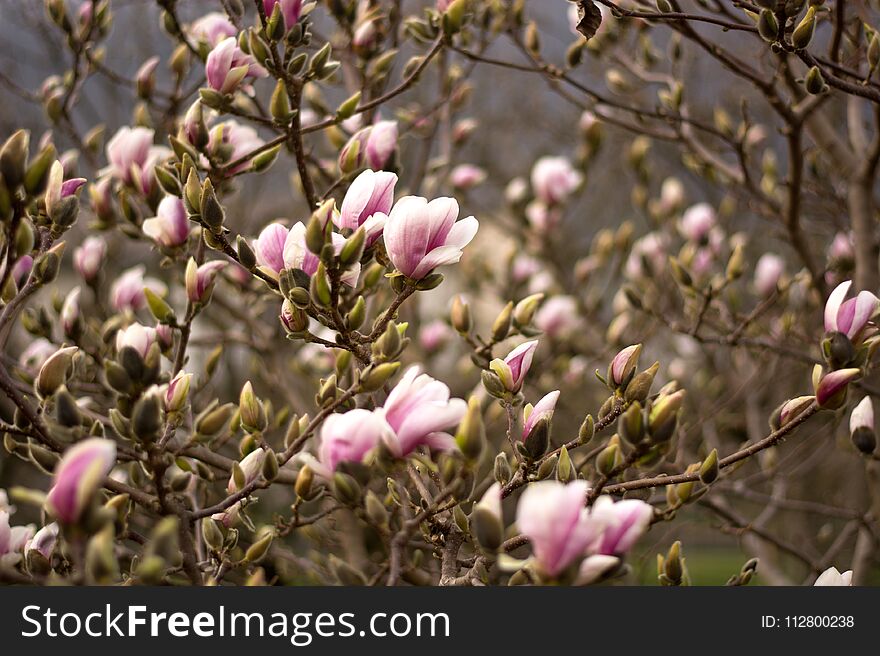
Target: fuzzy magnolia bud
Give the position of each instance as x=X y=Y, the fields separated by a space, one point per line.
x=501 y=469
x=709 y=468
x=609 y=459
x=471 y=434
x=304 y=480
x=53 y=373
x=501 y=325
x=460 y=316
x=640 y=386
x=631 y=425
x=251 y=409
x=485 y=521
x=768 y=27
x=803 y=33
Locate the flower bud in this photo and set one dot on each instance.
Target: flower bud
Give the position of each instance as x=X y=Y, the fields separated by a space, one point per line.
x=303 y=485
x=460 y=316
x=803 y=33
x=471 y=434
x=53 y=373
x=609 y=459
x=640 y=386
x=768 y=27
x=709 y=468
x=831 y=390
x=501 y=325
x=631 y=425
x=565 y=470
x=259 y=548
x=814 y=82
x=486 y=522
x=587 y=430
x=212 y=535
x=623 y=366
x=346 y=489
x=501 y=469
x=526 y=308
x=253 y=413
x=13 y=159
x=861 y=426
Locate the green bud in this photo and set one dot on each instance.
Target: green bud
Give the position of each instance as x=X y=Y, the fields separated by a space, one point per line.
x=640 y=386
x=251 y=409
x=471 y=434
x=212 y=535
x=101 y=566
x=565 y=471
x=501 y=469
x=158 y=307
x=37 y=174
x=814 y=82
x=259 y=548
x=346 y=489
x=587 y=430
x=192 y=193
x=375 y=509
x=13 y=159
x=376 y=376
x=212 y=420
x=768 y=27
x=146 y=418
x=66 y=411
x=709 y=468
x=270 y=465
x=319 y=287
x=460 y=316
x=304 y=480
x=803 y=33
x=348 y=106
x=501 y=326
x=279 y=105
x=53 y=373
x=526 y=308
x=353 y=248
x=631 y=426
x=210 y=209
x=609 y=459
x=358 y=313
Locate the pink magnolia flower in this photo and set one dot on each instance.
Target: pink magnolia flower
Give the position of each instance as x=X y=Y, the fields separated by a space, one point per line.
x=650 y=250
x=624 y=523
x=170 y=226
x=554 y=179
x=251 y=465
x=348 y=437
x=543 y=217
x=434 y=335
x=367 y=203
x=841 y=248
x=768 y=271
x=229 y=516
x=512 y=370
x=133 y=158
x=44 y=541
x=851 y=316
x=70 y=312
x=422 y=235
x=278 y=248
x=200 y=279
x=57 y=188
x=418 y=411
x=291 y=10
x=227 y=66
x=78 y=475
x=12 y=540
x=376 y=143
x=832 y=386
x=558 y=316
x=543 y=409
x=862 y=416
x=230 y=141
x=559 y=526
x=127 y=293
x=138 y=337
x=466 y=176
x=212 y=28
x=88 y=258
x=697 y=222
x=146 y=76
x=832 y=577
x=624 y=363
